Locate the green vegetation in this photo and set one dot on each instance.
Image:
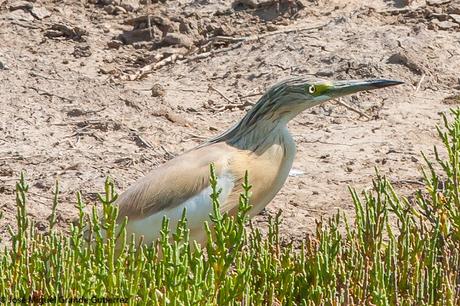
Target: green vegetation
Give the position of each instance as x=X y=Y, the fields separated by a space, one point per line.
x=396 y=252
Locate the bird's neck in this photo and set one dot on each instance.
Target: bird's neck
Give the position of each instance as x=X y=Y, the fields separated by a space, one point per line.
x=260 y=136
x=254 y=136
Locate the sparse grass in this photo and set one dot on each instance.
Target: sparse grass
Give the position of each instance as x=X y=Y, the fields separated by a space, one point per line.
x=412 y=261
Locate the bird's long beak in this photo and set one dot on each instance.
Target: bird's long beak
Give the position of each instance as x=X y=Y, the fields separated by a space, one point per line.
x=341 y=88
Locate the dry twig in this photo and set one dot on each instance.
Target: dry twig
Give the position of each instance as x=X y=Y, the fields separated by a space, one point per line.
x=420 y=83
x=146 y=70
x=211 y=53
x=139 y=140
x=231 y=104
x=43 y=92
x=238 y=42
x=149 y=24
x=220 y=93
x=234 y=105
x=28 y=25
x=339 y=101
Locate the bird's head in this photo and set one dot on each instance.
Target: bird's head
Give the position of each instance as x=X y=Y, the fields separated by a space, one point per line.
x=284 y=100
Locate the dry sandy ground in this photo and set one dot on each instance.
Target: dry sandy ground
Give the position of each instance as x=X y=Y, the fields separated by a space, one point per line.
x=75 y=105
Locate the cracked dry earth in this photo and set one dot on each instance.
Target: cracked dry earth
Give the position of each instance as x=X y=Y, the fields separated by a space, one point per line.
x=90 y=89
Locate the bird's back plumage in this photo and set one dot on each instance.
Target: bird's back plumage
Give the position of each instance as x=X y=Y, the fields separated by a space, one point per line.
x=183 y=182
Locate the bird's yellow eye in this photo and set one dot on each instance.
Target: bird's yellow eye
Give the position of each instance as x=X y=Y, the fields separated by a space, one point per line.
x=312 y=89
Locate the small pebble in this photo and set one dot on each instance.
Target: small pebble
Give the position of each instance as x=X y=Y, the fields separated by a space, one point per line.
x=114 y=44
x=455 y=18
x=40 y=12
x=271 y=27
x=158 y=90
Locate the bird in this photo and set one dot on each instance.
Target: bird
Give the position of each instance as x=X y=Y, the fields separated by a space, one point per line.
x=259 y=143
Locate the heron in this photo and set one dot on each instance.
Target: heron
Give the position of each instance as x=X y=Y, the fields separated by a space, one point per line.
x=259 y=143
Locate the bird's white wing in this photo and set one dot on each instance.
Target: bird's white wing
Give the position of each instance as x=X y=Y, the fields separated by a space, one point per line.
x=198 y=209
x=175 y=182
x=182 y=182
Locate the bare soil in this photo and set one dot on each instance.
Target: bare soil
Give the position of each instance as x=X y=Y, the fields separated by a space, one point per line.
x=89 y=90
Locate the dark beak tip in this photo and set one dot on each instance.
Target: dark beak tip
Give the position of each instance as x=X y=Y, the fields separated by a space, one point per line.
x=385 y=83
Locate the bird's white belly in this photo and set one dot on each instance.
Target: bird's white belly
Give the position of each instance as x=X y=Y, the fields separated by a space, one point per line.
x=198 y=208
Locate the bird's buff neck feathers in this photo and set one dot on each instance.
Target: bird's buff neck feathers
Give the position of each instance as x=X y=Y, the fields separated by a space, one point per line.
x=259 y=128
